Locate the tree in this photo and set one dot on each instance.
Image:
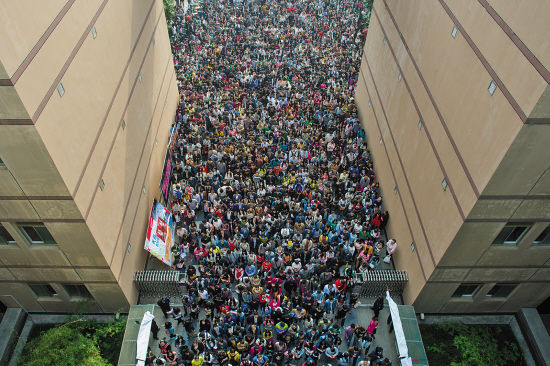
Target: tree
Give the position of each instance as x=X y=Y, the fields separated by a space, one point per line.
x=62 y=346
x=169 y=10
x=470 y=345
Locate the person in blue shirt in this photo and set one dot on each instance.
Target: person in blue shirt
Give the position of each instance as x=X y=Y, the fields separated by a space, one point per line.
x=250 y=270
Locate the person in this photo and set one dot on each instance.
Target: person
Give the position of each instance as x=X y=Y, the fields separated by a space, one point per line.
x=170 y=331
x=164 y=347
x=349 y=332
x=150 y=359
x=332 y=352
x=376 y=354
x=391 y=246
x=343 y=358
x=366 y=341
x=378 y=305
x=274 y=192
x=172 y=358
x=177 y=314
x=154 y=329
x=373 y=325
x=164 y=304
x=197 y=360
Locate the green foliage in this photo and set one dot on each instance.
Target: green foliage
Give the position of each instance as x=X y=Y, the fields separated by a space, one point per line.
x=78 y=342
x=169 y=10
x=61 y=346
x=469 y=345
x=109 y=339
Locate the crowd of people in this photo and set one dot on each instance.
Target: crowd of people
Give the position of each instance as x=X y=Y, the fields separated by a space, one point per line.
x=274 y=195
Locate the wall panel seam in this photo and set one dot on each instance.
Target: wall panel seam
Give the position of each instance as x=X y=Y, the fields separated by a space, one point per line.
x=426 y=129
x=119 y=125
x=522 y=47
x=65 y=67
x=161 y=89
x=36 y=48
x=100 y=131
x=394 y=177
x=485 y=63
x=431 y=97
x=400 y=162
x=146 y=172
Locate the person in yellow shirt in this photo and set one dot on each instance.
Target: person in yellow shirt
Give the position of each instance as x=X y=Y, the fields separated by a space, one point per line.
x=233 y=356
x=197 y=360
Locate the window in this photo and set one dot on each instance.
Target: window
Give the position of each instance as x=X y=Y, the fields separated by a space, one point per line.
x=101 y=185
x=419 y=125
x=543 y=238
x=453 y=32
x=501 y=290
x=42 y=289
x=511 y=234
x=444 y=184
x=36 y=232
x=2 y=163
x=5 y=236
x=60 y=89
x=77 y=290
x=467 y=290
x=94 y=32
x=492 y=87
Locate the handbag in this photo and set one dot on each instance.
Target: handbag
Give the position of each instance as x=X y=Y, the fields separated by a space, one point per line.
x=387 y=259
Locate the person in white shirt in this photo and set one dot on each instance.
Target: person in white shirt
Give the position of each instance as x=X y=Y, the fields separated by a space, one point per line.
x=391 y=246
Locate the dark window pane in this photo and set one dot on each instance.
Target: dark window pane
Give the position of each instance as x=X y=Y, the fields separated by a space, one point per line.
x=77 y=290
x=37 y=233
x=516 y=233
x=544 y=237
x=42 y=289
x=501 y=238
x=5 y=236
x=511 y=234
x=466 y=289
x=501 y=290
x=44 y=234
x=32 y=233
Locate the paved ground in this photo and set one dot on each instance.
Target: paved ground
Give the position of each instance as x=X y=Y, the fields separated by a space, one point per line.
x=361 y=315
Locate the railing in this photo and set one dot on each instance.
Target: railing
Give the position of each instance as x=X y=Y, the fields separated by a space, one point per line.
x=367 y=284
x=376 y=282
x=158 y=283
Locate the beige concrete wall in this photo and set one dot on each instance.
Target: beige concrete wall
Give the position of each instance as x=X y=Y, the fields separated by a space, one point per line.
x=496 y=166
x=523 y=16
x=22 y=23
x=56 y=148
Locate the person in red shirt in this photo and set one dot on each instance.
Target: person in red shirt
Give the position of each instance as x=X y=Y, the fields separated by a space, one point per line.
x=341 y=284
x=266 y=267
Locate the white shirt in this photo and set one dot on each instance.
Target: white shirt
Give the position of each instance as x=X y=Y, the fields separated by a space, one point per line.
x=391 y=245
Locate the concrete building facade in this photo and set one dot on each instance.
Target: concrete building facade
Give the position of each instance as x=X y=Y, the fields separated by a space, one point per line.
x=87 y=96
x=455 y=99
